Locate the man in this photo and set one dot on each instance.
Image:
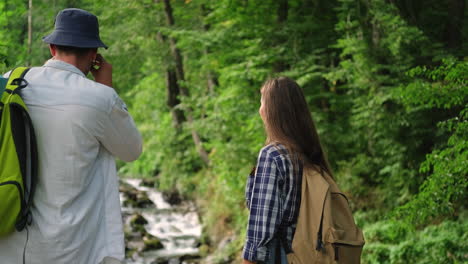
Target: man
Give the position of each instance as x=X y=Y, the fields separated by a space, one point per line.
x=80 y=125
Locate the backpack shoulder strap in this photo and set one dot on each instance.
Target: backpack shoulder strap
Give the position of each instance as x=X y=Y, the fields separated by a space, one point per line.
x=313 y=195
x=322 y=186
x=16 y=80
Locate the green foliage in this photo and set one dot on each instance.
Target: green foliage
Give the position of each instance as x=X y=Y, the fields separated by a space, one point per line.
x=443 y=87
x=447 y=166
x=390 y=243
x=13 y=38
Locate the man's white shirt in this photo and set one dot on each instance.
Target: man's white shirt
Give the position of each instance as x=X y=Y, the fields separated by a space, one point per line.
x=80 y=126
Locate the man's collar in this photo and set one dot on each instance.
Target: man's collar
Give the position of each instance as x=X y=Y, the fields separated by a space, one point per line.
x=61 y=65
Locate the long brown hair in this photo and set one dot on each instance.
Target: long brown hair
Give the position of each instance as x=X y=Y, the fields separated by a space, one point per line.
x=288 y=121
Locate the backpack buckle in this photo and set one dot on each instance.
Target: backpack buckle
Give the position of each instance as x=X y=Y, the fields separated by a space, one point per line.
x=20 y=82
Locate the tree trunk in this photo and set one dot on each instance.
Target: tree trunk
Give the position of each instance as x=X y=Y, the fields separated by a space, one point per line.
x=212 y=80
x=456 y=11
x=282 y=11
x=174 y=50
x=182 y=89
x=29 y=31
x=173 y=92
x=172 y=98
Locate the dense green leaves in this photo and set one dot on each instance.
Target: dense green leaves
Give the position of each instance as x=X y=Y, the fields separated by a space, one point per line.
x=12 y=31
x=447 y=166
x=390 y=243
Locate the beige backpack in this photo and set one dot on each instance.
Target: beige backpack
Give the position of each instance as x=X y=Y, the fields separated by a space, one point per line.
x=325 y=232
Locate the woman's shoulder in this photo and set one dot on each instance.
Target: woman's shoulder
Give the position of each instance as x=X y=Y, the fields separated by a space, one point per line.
x=274 y=150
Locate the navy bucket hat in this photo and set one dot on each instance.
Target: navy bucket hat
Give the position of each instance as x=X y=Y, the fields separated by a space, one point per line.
x=77 y=28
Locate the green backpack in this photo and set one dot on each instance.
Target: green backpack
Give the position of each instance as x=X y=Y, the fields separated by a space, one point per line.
x=18 y=156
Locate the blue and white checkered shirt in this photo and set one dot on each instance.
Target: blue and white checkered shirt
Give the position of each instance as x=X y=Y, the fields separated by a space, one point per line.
x=273 y=195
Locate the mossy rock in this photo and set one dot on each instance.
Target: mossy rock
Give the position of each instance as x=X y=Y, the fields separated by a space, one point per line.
x=130 y=195
x=204 y=250
x=137 y=219
x=151 y=243
x=137 y=223
x=172 y=197
x=148 y=182
x=128 y=191
x=130 y=203
x=143 y=201
x=130 y=252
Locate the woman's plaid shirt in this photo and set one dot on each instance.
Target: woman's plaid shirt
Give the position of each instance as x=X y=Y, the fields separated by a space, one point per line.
x=273 y=195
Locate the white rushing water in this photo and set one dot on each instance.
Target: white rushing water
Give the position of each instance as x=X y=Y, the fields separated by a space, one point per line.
x=177 y=227
x=155 y=196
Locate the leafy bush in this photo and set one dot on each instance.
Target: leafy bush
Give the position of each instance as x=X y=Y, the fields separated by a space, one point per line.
x=388 y=243
x=446 y=166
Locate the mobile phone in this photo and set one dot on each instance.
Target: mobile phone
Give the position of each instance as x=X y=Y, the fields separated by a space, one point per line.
x=96 y=65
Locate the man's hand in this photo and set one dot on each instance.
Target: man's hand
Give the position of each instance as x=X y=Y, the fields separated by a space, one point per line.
x=102 y=71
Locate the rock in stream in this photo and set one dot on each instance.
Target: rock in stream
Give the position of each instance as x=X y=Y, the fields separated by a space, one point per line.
x=156 y=231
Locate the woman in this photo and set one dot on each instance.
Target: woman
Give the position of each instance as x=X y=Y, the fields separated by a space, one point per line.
x=274 y=188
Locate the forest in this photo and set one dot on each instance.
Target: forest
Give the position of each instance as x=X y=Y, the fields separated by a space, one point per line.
x=386 y=82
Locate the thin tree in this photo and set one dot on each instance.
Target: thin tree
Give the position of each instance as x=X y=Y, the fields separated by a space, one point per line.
x=212 y=80
x=282 y=17
x=30 y=6
x=180 y=78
